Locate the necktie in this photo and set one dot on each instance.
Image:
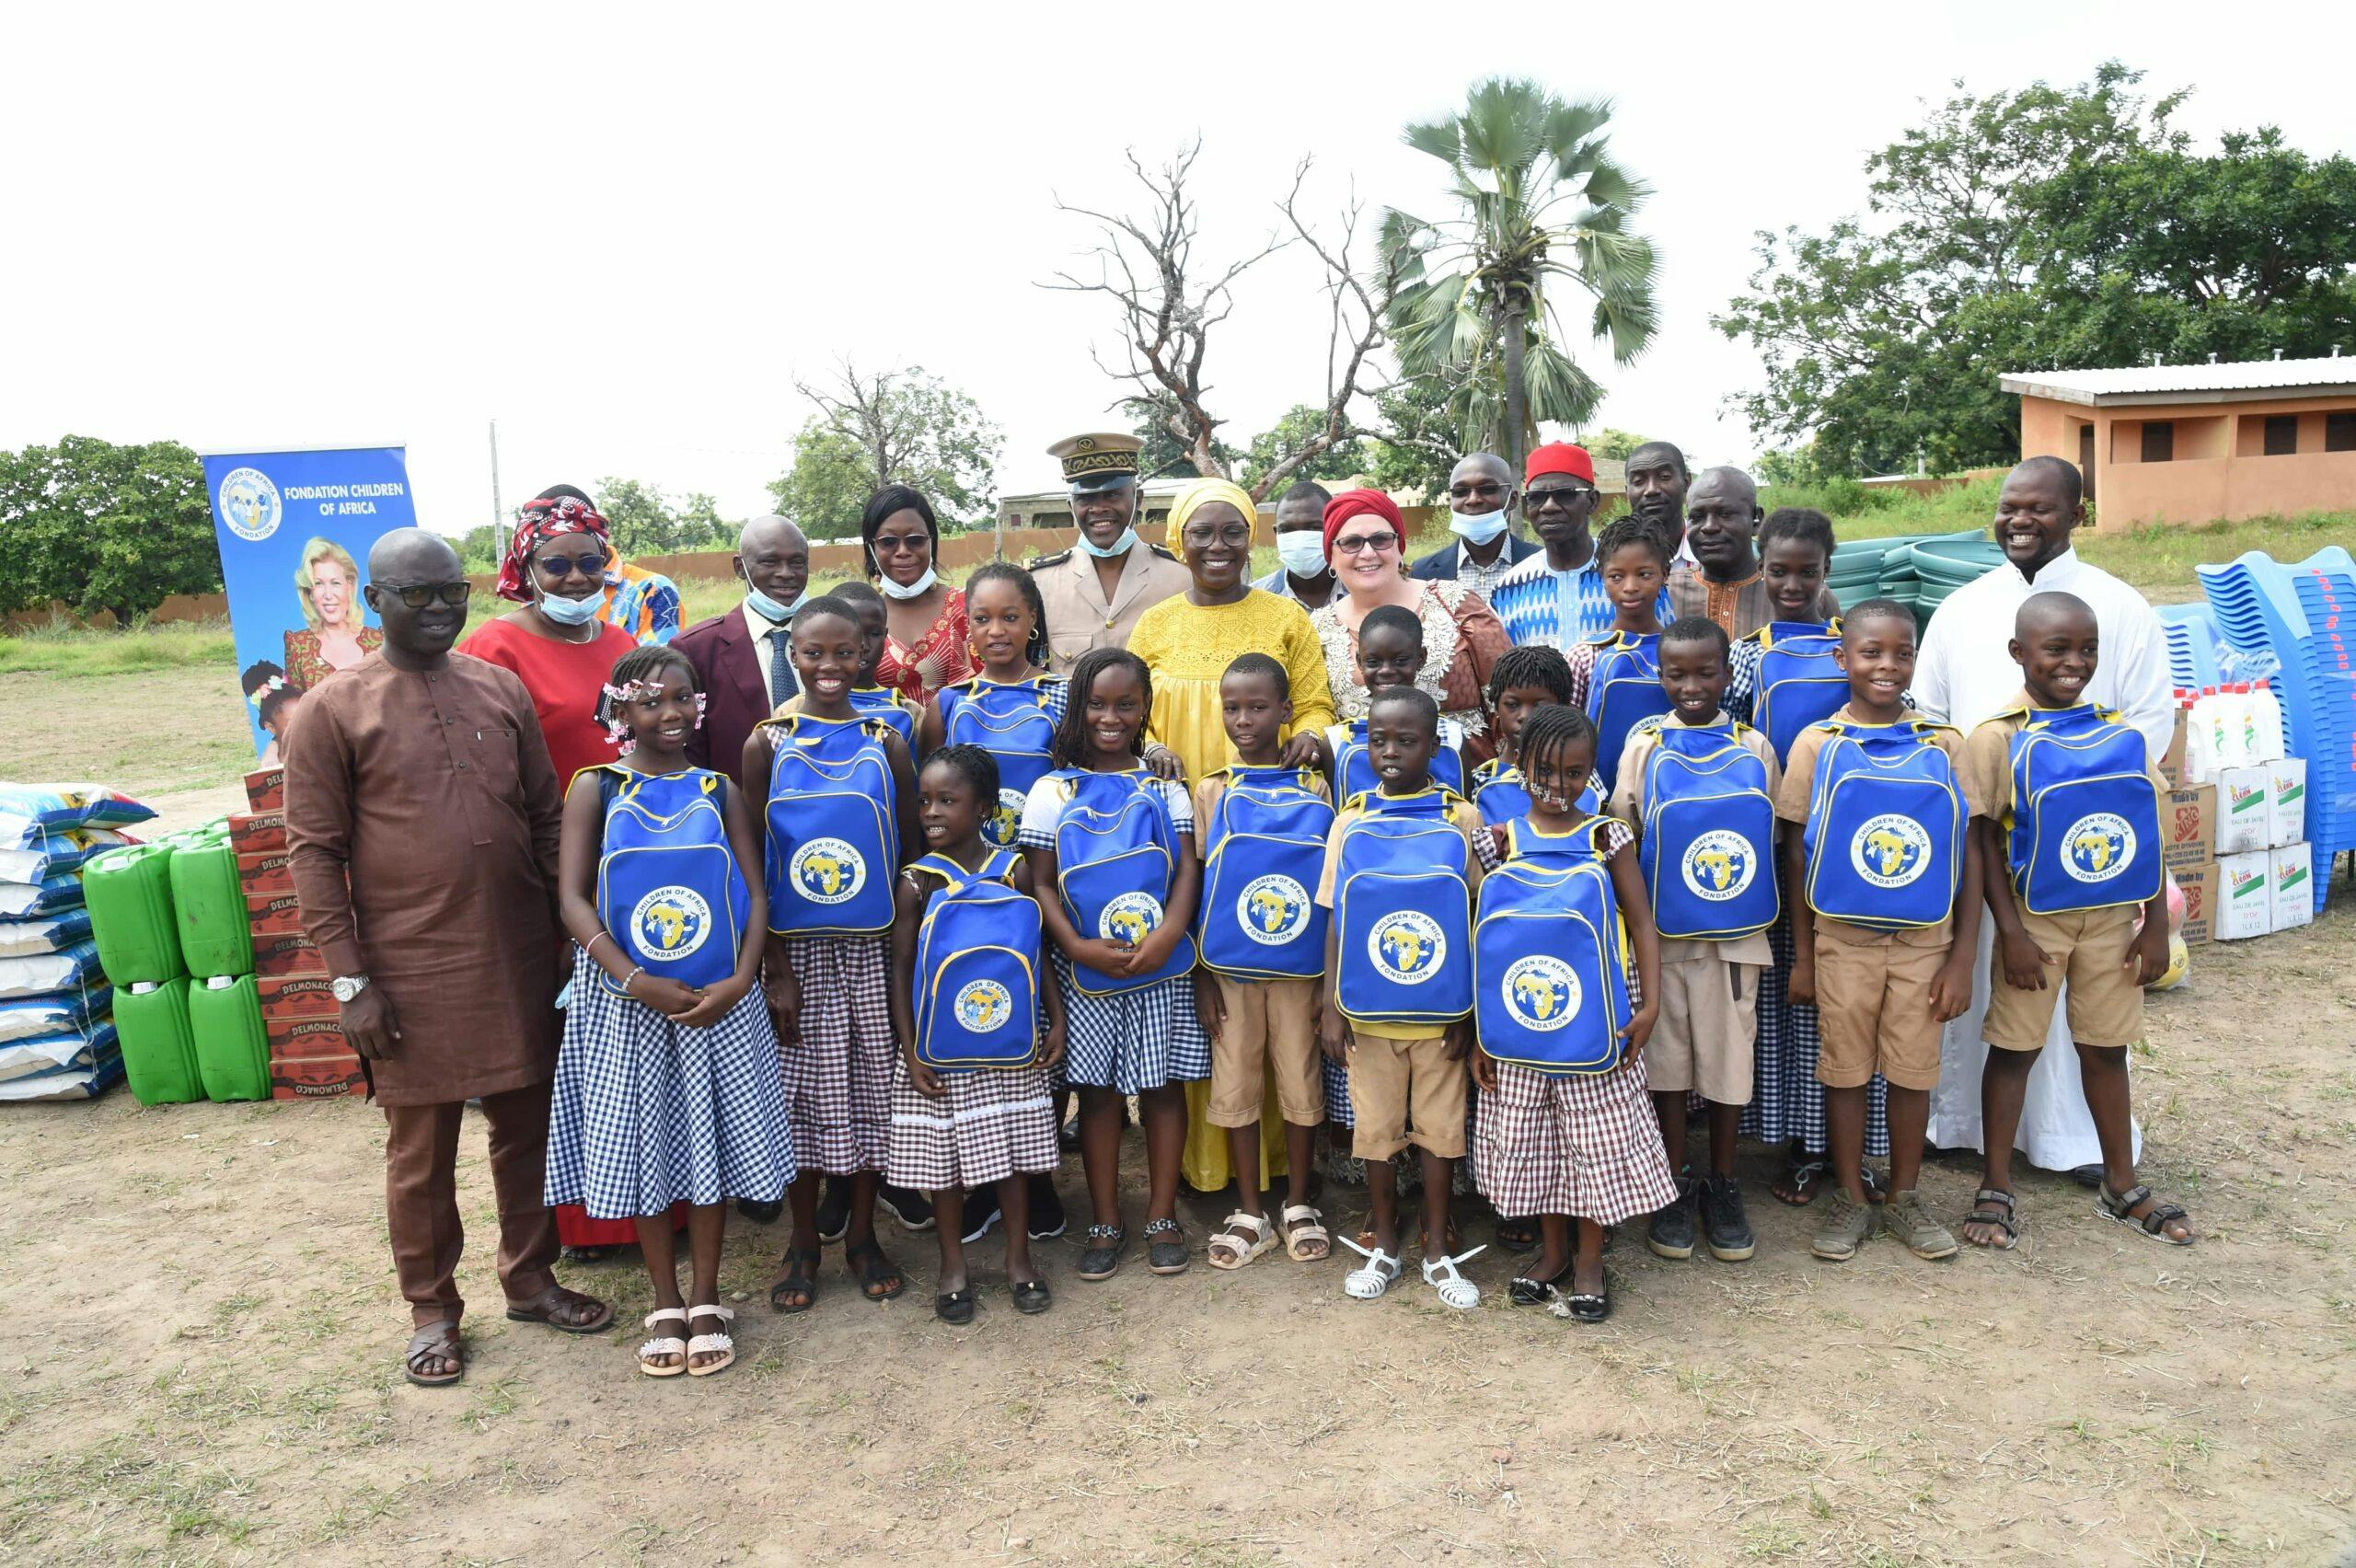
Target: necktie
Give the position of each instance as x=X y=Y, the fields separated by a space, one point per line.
x=782 y=681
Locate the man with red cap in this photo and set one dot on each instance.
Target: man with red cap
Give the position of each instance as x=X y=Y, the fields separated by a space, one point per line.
x=1556 y=596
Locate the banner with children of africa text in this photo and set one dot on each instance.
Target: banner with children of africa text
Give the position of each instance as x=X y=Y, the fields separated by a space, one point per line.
x=295 y=529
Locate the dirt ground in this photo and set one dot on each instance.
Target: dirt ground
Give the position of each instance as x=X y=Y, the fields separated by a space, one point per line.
x=203 y=1334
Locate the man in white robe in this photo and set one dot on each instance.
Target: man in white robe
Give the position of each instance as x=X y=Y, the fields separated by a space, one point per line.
x=1964 y=676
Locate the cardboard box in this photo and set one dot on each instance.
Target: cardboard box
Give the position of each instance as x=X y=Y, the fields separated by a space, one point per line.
x=2245 y=903
x=274 y=915
x=287 y=997
x=2172 y=760
x=252 y=833
x=2292 y=871
x=329 y=1077
x=2199 y=886
x=266 y=790
x=282 y=955
x=2241 y=796
x=2286 y=801
x=303 y=1036
x=267 y=873
x=2188 y=825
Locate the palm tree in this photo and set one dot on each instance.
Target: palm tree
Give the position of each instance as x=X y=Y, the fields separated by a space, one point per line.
x=1541 y=197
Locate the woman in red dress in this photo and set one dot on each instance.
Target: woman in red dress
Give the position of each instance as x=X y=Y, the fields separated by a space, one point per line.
x=555 y=570
x=924 y=645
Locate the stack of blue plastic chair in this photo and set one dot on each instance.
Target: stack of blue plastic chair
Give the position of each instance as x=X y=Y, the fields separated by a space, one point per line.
x=2294 y=615
x=2192 y=645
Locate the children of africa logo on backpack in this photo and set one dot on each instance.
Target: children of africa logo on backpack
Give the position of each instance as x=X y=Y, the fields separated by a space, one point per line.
x=1542 y=992
x=1131 y=918
x=1718 y=865
x=671 y=922
x=1273 y=910
x=983 y=1006
x=2098 y=846
x=1007 y=819
x=827 y=871
x=1889 y=850
x=1406 y=947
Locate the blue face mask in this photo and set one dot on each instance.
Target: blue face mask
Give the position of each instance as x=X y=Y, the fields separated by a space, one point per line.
x=1477 y=528
x=769 y=610
x=1120 y=547
x=571 y=612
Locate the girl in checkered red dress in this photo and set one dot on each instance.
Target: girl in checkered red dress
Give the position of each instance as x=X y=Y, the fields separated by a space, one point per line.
x=954 y=1130
x=1579 y=1150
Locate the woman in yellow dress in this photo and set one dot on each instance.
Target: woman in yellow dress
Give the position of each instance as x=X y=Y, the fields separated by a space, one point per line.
x=1187 y=642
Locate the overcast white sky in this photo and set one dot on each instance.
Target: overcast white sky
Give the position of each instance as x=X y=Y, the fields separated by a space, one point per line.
x=622 y=232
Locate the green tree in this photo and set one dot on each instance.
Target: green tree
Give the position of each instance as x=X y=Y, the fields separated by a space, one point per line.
x=1611 y=444
x=1163 y=454
x=899 y=427
x=1298 y=430
x=1419 y=440
x=828 y=485
x=97 y=527
x=644 y=521
x=2047 y=227
x=1541 y=201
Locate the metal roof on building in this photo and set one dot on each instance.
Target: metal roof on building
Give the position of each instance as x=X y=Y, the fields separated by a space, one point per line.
x=2187 y=383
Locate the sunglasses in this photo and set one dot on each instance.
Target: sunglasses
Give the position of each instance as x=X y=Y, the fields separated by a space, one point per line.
x=1360 y=544
x=564 y=565
x=417 y=595
x=1561 y=495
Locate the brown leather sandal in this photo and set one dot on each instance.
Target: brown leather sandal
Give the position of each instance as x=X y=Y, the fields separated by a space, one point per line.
x=542 y=1309
x=438 y=1340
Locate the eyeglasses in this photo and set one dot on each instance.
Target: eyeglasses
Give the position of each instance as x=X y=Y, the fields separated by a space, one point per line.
x=1224 y=534
x=1361 y=544
x=1561 y=495
x=417 y=595
x=563 y=566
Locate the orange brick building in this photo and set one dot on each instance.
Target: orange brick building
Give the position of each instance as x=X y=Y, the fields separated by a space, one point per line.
x=2198 y=443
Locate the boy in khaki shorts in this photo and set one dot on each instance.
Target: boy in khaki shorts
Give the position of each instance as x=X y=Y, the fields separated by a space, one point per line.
x=2102 y=954
x=1881 y=995
x=1706 y=1035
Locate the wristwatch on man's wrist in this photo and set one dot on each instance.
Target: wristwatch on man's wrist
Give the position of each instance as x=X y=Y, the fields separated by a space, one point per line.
x=347 y=988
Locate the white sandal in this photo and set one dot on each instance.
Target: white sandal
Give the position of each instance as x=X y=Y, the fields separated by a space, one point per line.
x=1370 y=1282
x=1229 y=1251
x=703 y=1343
x=1454 y=1289
x=1302 y=1225
x=666 y=1345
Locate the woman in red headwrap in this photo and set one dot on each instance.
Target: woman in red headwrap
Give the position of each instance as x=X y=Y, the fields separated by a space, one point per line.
x=555 y=571
x=1365 y=542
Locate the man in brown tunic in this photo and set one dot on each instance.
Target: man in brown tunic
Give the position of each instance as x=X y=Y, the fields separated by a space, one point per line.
x=423 y=818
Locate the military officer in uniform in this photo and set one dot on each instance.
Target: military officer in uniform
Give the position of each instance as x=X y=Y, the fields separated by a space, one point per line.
x=1095 y=591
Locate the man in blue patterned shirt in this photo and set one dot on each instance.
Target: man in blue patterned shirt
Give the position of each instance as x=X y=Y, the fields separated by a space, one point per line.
x=1556 y=597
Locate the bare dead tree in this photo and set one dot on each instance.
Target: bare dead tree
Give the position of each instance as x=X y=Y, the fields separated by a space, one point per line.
x=860 y=408
x=1146 y=266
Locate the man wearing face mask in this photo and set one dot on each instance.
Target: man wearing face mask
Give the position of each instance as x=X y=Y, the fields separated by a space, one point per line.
x=1555 y=598
x=1303 y=573
x=1658 y=480
x=1095 y=591
x=1481 y=499
x=740 y=654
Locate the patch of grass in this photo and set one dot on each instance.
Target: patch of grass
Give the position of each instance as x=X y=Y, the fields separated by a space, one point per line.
x=80 y=653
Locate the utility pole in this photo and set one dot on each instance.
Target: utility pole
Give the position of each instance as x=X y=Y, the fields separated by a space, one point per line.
x=498 y=511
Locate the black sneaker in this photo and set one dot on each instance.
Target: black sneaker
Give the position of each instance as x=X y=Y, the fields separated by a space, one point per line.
x=1046 y=1209
x=761 y=1211
x=834 y=1209
x=1670 y=1234
x=1724 y=1222
x=982 y=1212
x=911 y=1208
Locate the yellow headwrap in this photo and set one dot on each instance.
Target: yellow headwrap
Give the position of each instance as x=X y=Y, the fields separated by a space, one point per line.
x=1201 y=494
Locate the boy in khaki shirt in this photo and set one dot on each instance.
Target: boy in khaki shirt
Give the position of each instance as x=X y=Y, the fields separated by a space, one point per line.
x=1881 y=996
x=2102 y=954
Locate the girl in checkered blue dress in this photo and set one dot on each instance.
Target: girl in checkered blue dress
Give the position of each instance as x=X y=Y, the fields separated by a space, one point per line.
x=1141 y=1039
x=667 y=1090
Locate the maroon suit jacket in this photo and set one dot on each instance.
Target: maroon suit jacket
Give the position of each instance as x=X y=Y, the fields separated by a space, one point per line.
x=736 y=691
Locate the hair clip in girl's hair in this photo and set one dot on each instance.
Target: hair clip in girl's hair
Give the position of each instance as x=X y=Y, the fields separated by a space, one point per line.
x=701 y=700
x=630 y=691
x=270 y=687
x=618 y=733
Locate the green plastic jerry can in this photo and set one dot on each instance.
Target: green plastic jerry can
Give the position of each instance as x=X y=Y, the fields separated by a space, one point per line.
x=130 y=894
x=158 y=1057
x=232 y=1053
x=208 y=905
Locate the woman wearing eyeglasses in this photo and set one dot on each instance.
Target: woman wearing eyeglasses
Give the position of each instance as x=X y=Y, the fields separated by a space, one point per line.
x=1366 y=540
x=924 y=619
x=555 y=571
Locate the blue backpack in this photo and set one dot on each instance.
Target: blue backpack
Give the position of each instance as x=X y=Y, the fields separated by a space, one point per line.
x=1011 y=721
x=669 y=890
x=1501 y=795
x=1550 y=956
x=1264 y=853
x=2084 y=824
x=1799 y=681
x=1115 y=864
x=1354 y=769
x=1622 y=689
x=1709 y=845
x=976 y=980
x=883 y=703
x=833 y=837
x=1885 y=826
x=1402 y=897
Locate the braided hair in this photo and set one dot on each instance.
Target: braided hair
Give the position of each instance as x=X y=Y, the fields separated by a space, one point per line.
x=974 y=764
x=1621 y=532
x=1551 y=731
x=1530 y=664
x=646 y=664
x=1069 y=748
x=1802 y=524
x=1035 y=650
